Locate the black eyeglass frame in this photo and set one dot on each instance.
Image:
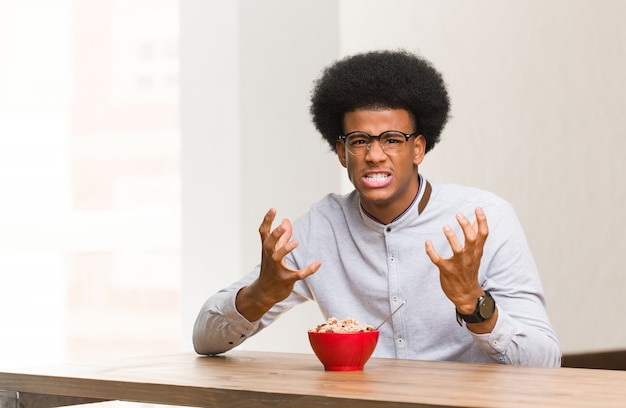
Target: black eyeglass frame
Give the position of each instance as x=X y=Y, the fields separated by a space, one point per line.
x=343 y=138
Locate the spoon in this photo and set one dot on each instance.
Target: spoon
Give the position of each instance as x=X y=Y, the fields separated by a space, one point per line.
x=389 y=317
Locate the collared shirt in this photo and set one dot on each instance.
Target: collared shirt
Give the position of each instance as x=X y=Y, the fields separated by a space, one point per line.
x=369 y=268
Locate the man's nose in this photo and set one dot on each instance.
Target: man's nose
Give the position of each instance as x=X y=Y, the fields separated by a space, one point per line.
x=375 y=150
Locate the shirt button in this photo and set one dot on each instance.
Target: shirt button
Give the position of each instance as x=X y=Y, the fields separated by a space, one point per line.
x=388 y=229
x=400 y=341
x=395 y=298
x=392 y=259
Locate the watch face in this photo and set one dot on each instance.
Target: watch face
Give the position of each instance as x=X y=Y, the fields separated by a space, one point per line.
x=487 y=307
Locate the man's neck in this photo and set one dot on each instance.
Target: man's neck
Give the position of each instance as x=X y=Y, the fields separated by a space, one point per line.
x=387 y=214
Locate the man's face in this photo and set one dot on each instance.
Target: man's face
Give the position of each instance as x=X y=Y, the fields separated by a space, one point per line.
x=386 y=183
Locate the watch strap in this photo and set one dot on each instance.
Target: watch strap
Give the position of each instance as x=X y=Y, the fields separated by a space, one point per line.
x=476 y=316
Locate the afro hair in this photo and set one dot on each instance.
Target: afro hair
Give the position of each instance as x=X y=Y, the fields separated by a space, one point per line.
x=380 y=80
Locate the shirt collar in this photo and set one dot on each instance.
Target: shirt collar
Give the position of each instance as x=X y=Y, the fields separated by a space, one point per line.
x=422 y=197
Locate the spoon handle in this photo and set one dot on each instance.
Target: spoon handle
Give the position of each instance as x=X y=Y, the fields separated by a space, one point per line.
x=389 y=317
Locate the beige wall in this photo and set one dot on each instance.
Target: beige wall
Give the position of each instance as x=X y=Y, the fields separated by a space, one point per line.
x=537 y=92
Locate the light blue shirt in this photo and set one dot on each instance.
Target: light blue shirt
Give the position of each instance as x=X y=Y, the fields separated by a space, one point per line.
x=368 y=269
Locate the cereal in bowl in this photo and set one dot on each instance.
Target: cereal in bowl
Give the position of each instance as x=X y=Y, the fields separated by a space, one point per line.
x=348 y=325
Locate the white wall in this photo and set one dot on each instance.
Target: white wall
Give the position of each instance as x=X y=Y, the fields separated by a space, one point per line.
x=537 y=92
x=248 y=145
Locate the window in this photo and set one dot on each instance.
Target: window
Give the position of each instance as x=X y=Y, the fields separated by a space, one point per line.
x=89 y=180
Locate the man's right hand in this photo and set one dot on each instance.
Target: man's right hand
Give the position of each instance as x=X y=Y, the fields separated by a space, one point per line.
x=275 y=281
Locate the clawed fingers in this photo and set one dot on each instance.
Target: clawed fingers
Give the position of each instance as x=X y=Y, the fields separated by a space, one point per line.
x=482 y=228
x=456 y=246
x=277 y=243
x=474 y=237
x=432 y=253
x=282 y=234
x=279 y=237
x=309 y=270
x=266 y=225
x=275 y=277
x=474 y=234
x=277 y=240
x=469 y=230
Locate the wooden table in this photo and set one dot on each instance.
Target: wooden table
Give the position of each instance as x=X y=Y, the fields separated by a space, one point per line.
x=261 y=379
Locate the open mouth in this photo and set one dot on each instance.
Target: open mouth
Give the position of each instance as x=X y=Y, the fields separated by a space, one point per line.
x=377 y=179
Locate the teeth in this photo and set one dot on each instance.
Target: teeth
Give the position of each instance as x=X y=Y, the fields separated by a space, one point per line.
x=377 y=177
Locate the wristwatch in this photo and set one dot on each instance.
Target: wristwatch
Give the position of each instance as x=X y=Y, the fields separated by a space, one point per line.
x=485 y=307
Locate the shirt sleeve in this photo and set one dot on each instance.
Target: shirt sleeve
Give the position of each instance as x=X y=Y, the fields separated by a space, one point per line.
x=522 y=334
x=219 y=326
x=513 y=343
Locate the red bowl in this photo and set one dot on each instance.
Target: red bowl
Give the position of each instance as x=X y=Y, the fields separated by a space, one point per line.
x=343 y=351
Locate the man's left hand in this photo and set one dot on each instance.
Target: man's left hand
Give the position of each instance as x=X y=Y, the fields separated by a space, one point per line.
x=459 y=273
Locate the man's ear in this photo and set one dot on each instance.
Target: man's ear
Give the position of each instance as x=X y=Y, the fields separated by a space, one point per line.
x=341 y=152
x=419 y=146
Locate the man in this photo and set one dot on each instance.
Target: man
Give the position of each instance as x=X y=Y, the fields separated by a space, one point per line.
x=471 y=287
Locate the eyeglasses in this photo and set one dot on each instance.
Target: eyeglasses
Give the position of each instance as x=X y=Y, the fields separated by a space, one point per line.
x=391 y=141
